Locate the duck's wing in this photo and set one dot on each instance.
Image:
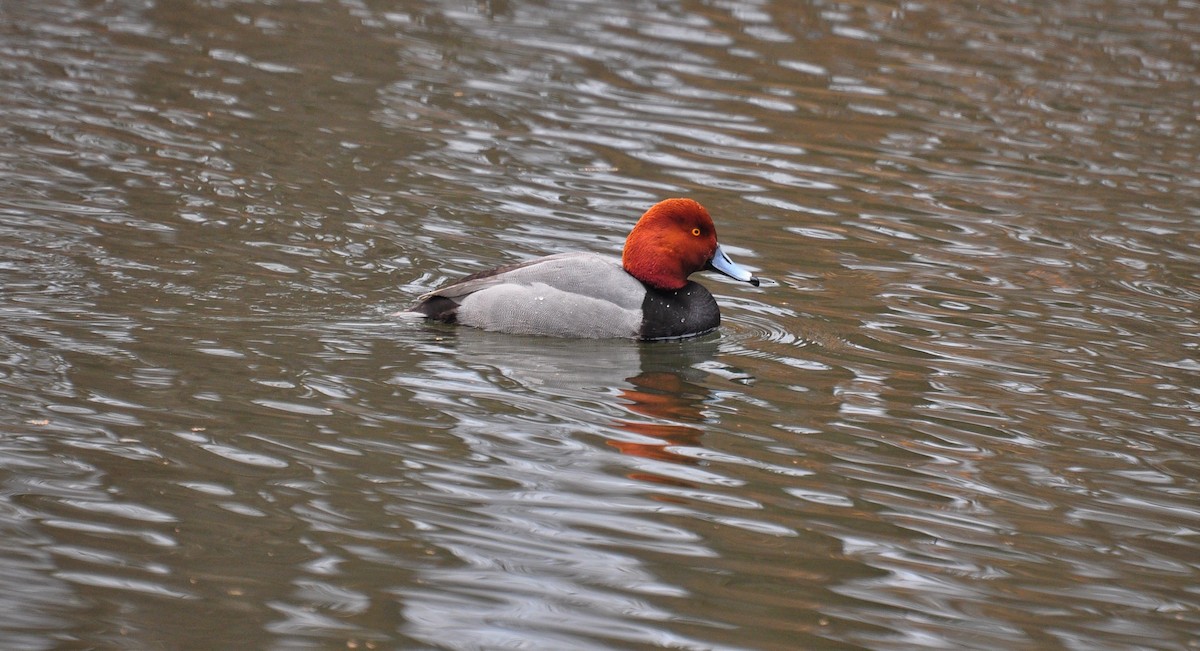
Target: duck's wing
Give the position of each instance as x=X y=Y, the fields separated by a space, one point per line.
x=567 y=277
x=522 y=273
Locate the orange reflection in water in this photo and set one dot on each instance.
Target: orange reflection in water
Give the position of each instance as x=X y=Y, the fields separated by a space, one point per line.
x=662 y=396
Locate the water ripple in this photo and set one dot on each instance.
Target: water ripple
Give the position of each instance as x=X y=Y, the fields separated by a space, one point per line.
x=959 y=415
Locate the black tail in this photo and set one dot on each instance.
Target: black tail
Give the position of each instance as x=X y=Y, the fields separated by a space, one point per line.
x=438 y=308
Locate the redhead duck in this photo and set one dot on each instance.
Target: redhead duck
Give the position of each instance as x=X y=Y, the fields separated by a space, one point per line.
x=645 y=296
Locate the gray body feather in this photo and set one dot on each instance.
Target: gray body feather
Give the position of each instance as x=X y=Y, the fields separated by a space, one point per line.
x=565 y=295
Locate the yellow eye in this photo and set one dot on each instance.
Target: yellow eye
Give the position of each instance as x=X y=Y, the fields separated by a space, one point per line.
x=696 y=232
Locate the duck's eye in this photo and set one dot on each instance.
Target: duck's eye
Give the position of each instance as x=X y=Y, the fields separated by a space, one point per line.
x=696 y=232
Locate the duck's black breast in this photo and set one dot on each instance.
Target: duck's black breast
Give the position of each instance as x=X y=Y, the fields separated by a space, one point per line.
x=685 y=312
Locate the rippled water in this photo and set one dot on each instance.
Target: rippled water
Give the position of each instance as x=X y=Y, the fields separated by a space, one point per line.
x=962 y=413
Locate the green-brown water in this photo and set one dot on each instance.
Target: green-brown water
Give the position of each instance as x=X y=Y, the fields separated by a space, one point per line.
x=963 y=413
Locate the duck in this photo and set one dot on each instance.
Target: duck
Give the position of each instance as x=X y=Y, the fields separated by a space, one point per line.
x=646 y=295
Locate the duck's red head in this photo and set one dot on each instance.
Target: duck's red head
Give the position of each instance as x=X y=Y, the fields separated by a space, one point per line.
x=673 y=240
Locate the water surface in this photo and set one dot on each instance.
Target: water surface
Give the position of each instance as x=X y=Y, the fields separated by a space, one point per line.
x=962 y=413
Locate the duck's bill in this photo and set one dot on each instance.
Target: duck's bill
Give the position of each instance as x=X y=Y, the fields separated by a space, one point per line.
x=722 y=264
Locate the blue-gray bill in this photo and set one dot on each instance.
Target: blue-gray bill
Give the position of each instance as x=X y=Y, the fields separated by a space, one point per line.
x=722 y=264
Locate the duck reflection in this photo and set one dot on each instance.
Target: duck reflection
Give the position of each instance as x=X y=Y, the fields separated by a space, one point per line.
x=658 y=387
x=671 y=401
x=669 y=390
